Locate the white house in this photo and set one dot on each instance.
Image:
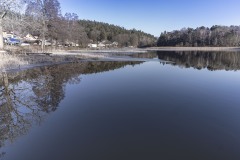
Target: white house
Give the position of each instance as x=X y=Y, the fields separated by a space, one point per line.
x=115 y=44
x=91 y=45
x=10 y=35
x=30 y=37
x=101 y=45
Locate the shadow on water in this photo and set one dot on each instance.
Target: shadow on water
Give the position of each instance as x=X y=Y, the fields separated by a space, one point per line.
x=27 y=97
x=213 y=61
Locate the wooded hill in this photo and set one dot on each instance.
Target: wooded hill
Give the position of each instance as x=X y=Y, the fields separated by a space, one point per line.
x=219 y=36
x=99 y=31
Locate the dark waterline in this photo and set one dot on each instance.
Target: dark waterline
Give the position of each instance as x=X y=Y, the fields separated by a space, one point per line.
x=186 y=109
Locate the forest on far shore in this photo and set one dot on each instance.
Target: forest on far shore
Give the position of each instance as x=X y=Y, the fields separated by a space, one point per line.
x=216 y=36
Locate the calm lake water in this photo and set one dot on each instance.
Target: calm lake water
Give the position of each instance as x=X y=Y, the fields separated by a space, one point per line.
x=174 y=105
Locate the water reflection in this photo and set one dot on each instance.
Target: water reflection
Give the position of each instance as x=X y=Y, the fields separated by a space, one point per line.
x=192 y=117
x=26 y=97
x=149 y=55
x=201 y=60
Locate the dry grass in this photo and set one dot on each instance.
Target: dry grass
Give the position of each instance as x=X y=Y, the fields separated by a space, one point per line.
x=10 y=62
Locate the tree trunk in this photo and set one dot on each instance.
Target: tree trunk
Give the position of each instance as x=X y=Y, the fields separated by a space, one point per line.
x=43 y=43
x=44 y=36
x=7 y=91
x=1 y=35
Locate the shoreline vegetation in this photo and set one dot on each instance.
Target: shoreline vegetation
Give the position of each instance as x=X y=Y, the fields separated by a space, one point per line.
x=215 y=36
x=9 y=62
x=15 y=60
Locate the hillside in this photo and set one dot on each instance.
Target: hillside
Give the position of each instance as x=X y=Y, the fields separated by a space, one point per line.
x=99 y=31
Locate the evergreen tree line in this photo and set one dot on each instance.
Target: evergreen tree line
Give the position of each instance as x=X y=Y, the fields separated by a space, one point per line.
x=99 y=31
x=216 y=36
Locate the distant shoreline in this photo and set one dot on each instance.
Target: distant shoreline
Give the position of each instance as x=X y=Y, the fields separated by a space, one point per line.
x=72 y=56
x=149 y=49
x=233 y=49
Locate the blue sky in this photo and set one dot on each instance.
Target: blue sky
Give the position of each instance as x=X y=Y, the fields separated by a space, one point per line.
x=156 y=16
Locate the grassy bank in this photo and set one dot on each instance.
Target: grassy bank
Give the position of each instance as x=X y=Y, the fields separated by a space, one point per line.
x=10 y=61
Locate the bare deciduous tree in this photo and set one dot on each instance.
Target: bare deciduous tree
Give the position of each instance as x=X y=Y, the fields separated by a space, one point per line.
x=44 y=15
x=7 y=6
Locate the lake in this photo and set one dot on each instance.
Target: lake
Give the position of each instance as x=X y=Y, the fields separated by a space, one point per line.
x=170 y=105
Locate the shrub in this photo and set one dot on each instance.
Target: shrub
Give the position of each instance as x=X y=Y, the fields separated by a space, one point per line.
x=8 y=61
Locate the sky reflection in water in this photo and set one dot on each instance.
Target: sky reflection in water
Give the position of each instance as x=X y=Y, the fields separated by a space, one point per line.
x=188 y=109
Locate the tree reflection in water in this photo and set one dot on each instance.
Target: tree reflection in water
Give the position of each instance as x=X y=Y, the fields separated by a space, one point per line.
x=201 y=60
x=26 y=97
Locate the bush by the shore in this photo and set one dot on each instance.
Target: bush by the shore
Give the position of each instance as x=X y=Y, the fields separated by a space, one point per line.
x=8 y=61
